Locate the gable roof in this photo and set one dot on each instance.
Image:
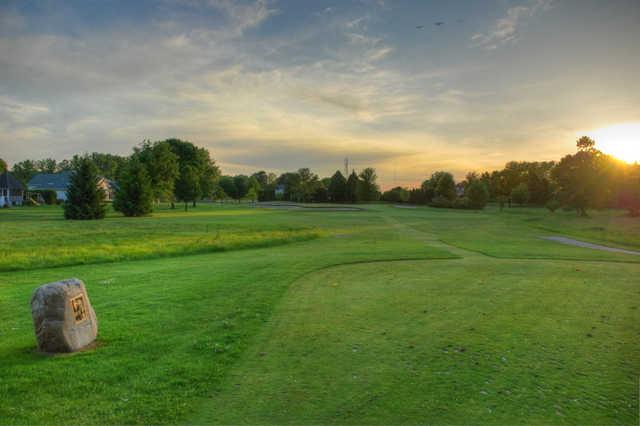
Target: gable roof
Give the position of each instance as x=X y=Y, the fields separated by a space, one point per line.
x=59 y=181
x=8 y=181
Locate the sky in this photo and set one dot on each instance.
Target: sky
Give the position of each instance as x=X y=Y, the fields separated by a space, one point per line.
x=407 y=87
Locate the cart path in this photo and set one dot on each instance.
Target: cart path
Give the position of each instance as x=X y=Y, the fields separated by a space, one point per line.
x=577 y=243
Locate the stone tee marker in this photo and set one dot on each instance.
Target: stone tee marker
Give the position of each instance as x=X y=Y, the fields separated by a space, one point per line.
x=63 y=317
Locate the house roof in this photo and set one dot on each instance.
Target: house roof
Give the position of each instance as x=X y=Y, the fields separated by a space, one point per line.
x=59 y=181
x=8 y=181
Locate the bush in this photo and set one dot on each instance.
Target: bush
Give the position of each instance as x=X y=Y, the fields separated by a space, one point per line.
x=441 y=202
x=478 y=195
x=462 y=203
x=553 y=205
x=396 y=195
x=48 y=195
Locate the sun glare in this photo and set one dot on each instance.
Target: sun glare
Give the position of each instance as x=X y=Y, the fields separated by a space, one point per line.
x=620 y=140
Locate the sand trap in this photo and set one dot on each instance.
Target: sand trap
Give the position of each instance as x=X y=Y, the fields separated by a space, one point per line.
x=577 y=243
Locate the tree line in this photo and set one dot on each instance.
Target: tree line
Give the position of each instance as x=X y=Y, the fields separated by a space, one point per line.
x=173 y=170
x=301 y=186
x=587 y=179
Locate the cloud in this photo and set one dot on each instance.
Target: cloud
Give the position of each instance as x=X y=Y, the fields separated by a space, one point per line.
x=506 y=29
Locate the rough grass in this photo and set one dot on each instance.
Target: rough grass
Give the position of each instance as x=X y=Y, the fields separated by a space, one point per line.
x=293 y=333
x=41 y=238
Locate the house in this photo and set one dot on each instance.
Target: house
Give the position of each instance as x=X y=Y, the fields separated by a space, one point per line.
x=59 y=182
x=279 y=191
x=12 y=192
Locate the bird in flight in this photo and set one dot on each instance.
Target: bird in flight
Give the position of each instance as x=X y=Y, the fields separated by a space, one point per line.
x=419 y=27
x=438 y=24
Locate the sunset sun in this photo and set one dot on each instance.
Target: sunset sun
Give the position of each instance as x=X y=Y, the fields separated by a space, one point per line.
x=620 y=140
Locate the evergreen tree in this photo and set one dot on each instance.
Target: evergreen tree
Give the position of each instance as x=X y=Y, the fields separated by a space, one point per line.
x=351 y=191
x=337 y=187
x=3 y=166
x=135 y=194
x=85 y=200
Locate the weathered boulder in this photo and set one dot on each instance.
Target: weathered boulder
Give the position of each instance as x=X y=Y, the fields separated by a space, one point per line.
x=63 y=317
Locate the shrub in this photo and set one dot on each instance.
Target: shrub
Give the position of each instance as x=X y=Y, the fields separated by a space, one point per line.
x=441 y=202
x=48 y=195
x=462 y=203
x=478 y=195
x=553 y=205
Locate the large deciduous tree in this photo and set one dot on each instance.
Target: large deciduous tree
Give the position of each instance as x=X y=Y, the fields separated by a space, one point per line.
x=187 y=188
x=368 y=189
x=581 y=179
x=162 y=167
x=478 y=194
x=200 y=164
x=24 y=171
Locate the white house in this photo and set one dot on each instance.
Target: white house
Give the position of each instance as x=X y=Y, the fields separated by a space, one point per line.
x=11 y=190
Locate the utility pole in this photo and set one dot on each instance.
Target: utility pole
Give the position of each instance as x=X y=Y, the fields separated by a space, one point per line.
x=346 y=167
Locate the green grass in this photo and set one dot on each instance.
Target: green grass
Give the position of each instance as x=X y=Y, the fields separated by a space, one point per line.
x=42 y=238
x=373 y=317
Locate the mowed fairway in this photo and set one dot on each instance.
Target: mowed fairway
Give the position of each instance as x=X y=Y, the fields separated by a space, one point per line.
x=382 y=316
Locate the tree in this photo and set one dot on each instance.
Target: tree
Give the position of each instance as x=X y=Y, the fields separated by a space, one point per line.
x=241 y=182
x=3 y=166
x=520 y=194
x=134 y=196
x=307 y=185
x=85 y=200
x=228 y=186
x=337 y=188
x=417 y=196
x=162 y=167
x=629 y=192
x=187 y=187
x=351 y=191
x=585 y=143
x=540 y=189
x=580 y=178
x=201 y=164
x=396 y=195
x=48 y=165
x=290 y=181
x=478 y=194
x=445 y=186
x=368 y=189
x=24 y=171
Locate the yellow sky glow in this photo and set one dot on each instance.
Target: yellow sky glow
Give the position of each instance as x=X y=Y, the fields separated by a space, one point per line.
x=620 y=140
